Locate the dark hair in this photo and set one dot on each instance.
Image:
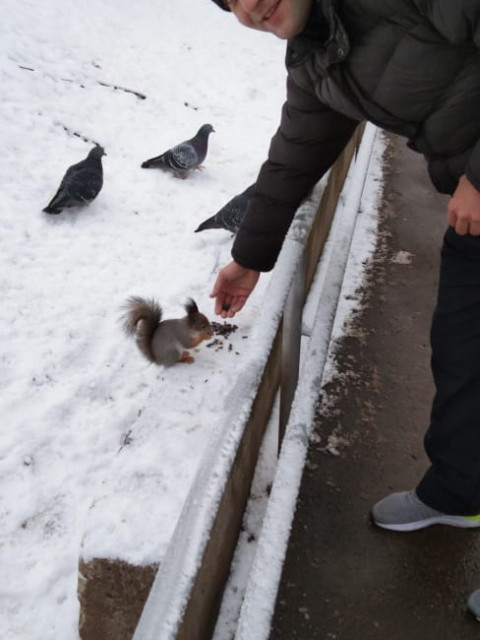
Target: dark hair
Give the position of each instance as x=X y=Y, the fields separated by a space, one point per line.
x=221 y=4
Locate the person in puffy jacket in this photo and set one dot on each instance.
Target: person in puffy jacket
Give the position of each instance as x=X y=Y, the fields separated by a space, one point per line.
x=411 y=67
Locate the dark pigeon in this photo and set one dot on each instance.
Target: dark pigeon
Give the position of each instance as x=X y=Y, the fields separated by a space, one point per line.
x=81 y=183
x=182 y=159
x=230 y=216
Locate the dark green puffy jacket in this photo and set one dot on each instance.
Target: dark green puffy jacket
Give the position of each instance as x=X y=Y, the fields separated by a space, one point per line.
x=409 y=66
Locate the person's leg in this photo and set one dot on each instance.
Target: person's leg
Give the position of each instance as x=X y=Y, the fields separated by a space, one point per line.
x=452 y=483
x=452 y=442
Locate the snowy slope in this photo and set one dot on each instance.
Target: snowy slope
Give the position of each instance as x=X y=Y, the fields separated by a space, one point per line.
x=74 y=390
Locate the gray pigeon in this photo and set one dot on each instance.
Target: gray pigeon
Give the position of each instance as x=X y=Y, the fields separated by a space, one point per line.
x=182 y=159
x=231 y=215
x=81 y=183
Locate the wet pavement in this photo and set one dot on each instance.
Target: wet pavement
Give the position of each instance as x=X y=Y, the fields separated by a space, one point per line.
x=343 y=578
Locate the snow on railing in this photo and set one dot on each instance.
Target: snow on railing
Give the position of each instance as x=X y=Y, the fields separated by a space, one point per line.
x=186 y=593
x=319 y=318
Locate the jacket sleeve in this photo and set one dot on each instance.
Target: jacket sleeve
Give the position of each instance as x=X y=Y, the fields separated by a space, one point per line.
x=308 y=141
x=473 y=167
x=459 y=23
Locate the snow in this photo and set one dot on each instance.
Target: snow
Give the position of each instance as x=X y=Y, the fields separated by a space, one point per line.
x=334 y=297
x=85 y=418
x=176 y=575
x=75 y=390
x=341 y=270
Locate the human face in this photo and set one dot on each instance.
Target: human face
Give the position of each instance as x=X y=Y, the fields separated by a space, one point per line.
x=283 y=18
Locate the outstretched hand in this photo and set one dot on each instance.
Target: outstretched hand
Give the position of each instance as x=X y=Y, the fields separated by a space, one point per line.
x=464 y=208
x=232 y=287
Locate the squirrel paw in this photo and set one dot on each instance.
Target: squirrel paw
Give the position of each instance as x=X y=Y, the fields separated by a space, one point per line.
x=186 y=357
x=200 y=338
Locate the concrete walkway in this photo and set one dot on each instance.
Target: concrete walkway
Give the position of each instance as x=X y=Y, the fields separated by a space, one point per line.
x=343 y=578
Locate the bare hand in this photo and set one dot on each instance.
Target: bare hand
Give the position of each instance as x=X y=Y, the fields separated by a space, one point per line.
x=464 y=208
x=231 y=289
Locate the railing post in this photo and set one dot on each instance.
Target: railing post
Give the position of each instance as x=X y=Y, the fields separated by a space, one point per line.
x=291 y=343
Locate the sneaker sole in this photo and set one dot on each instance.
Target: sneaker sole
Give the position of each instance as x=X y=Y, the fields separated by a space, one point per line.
x=461 y=522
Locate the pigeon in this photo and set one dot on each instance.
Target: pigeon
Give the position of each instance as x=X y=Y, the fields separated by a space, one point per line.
x=81 y=183
x=231 y=215
x=182 y=159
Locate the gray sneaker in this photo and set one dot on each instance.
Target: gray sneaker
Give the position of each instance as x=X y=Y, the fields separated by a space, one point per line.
x=405 y=511
x=474 y=604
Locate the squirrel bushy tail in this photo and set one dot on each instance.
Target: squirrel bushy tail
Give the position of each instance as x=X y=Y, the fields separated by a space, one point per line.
x=141 y=319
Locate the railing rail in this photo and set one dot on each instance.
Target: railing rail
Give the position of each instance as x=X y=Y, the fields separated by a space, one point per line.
x=291 y=344
x=321 y=322
x=186 y=594
x=183 y=606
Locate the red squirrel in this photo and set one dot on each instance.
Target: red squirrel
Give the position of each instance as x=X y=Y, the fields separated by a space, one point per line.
x=165 y=342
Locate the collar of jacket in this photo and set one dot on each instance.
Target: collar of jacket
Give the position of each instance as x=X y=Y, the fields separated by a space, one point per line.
x=323 y=34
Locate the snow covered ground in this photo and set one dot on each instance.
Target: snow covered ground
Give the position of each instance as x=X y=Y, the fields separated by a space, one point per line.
x=75 y=392
x=73 y=387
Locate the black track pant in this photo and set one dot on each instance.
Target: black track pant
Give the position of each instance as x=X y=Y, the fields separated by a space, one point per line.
x=452 y=442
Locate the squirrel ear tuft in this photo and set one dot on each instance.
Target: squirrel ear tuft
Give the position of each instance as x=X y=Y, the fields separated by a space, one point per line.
x=191 y=307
